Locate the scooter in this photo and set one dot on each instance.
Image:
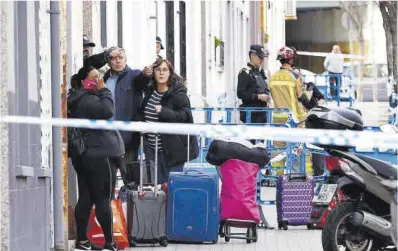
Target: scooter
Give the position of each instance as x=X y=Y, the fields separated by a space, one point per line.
x=392 y=185
x=363 y=221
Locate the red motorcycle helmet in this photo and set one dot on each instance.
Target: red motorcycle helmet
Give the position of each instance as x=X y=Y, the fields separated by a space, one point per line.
x=285 y=54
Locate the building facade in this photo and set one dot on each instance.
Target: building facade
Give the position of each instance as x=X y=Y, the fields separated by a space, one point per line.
x=207 y=42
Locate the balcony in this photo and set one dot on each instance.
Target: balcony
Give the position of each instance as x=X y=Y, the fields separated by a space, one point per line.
x=314 y=5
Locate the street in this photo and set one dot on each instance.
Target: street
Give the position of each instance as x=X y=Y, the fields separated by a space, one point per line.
x=293 y=239
x=373 y=113
x=367 y=92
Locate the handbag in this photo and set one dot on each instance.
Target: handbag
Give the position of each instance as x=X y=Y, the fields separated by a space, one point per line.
x=76 y=142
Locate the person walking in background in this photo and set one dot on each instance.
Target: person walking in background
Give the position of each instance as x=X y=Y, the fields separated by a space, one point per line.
x=166 y=101
x=90 y=99
x=334 y=63
x=252 y=85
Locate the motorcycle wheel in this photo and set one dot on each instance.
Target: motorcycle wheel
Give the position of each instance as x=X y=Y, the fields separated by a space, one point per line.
x=337 y=234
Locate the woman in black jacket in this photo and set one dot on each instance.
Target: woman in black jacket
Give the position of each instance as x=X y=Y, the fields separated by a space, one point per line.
x=90 y=99
x=166 y=101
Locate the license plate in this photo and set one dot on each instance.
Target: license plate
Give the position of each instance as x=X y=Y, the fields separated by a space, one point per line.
x=324 y=193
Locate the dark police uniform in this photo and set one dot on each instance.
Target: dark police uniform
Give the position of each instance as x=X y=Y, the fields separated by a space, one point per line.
x=158 y=40
x=252 y=82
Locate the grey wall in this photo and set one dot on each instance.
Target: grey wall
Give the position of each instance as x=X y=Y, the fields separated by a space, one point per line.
x=29 y=184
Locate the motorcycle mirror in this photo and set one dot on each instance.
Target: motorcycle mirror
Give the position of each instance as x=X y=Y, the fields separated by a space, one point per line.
x=388 y=128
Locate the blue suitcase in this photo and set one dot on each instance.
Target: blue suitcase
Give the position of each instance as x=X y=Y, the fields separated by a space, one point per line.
x=193 y=207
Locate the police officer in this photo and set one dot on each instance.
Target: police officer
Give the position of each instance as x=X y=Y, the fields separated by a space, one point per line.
x=87 y=47
x=252 y=85
x=159 y=46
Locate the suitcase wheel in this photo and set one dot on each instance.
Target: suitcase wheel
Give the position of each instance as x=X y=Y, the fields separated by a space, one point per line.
x=282 y=225
x=251 y=235
x=310 y=226
x=163 y=242
x=255 y=234
x=221 y=229
x=133 y=244
x=227 y=232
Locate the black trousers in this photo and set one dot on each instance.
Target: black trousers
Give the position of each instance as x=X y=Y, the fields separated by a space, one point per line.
x=95 y=188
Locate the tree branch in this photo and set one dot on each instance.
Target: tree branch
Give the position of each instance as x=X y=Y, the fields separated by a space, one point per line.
x=352 y=10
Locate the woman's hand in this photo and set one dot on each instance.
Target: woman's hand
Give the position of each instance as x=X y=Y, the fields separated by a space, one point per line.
x=158 y=108
x=100 y=84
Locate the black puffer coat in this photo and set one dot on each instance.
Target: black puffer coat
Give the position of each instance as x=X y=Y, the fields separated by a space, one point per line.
x=176 y=108
x=86 y=104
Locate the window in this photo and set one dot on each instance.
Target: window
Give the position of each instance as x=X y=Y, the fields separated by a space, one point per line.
x=25 y=139
x=183 y=39
x=222 y=54
x=120 y=24
x=103 y=23
x=170 y=31
x=203 y=38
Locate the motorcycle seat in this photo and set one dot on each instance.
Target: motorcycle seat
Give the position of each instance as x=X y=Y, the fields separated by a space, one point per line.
x=382 y=168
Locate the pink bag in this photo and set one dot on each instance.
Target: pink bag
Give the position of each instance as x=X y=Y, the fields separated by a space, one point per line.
x=238 y=191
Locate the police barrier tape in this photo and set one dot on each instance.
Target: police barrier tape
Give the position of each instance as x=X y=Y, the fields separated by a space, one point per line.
x=324 y=54
x=314 y=136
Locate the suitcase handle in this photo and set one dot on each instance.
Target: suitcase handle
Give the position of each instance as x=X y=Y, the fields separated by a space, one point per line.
x=297 y=177
x=193 y=171
x=140 y=188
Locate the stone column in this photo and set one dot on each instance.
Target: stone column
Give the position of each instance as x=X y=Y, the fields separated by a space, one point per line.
x=6 y=37
x=87 y=19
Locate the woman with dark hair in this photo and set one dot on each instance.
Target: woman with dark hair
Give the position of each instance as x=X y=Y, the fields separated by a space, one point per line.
x=166 y=101
x=90 y=99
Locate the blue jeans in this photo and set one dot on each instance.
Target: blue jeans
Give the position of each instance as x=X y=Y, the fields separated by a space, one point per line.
x=163 y=169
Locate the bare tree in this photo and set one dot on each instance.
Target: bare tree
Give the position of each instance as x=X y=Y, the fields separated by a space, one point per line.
x=388 y=11
x=355 y=12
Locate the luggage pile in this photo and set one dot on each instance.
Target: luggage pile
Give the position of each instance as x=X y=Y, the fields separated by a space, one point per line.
x=190 y=208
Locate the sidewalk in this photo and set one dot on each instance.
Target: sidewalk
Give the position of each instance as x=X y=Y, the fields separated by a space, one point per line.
x=293 y=239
